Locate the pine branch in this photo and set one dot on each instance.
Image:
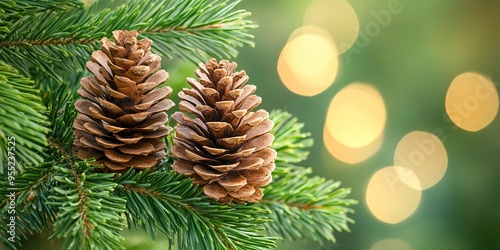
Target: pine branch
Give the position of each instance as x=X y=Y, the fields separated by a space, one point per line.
x=198 y=30
x=88 y=215
x=302 y=206
x=11 y=10
x=30 y=190
x=170 y=202
x=306 y=207
x=60 y=103
x=290 y=142
x=192 y=30
x=22 y=118
x=18 y=8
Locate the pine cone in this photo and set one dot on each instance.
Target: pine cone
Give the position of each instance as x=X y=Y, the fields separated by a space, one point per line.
x=121 y=120
x=225 y=148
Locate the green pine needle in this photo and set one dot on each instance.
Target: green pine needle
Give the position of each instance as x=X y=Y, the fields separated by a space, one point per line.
x=22 y=118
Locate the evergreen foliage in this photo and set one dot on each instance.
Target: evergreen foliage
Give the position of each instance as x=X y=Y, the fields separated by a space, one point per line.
x=291 y=143
x=87 y=215
x=45 y=37
x=300 y=205
x=43 y=49
x=22 y=116
x=169 y=202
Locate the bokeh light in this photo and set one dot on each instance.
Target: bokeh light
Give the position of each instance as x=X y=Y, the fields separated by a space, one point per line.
x=356 y=116
x=391 y=244
x=389 y=199
x=308 y=63
x=348 y=154
x=338 y=18
x=472 y=101
x=423 y=155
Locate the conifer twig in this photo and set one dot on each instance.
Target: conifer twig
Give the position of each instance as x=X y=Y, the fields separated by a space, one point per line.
x=23 y=123
x=192 y=30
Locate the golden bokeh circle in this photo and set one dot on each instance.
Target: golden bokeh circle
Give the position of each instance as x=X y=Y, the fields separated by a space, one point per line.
x=356 y=116
x=308 y=63
x=423 y=155
x=389 y=199
x=472 y=101
x=391 y=244
x=347 y=154
x=338 y=18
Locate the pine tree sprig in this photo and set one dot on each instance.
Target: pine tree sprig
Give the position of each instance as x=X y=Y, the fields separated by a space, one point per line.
x=11 y=11
x=46 y=39
x=16 y=8
x=31 y=190
x=302 y=206
x=36 y=183
x=61 y=113
x=169 y=202
x=290 y=142
x=307 y=207
x=22 y=119
x=192 y=30
x=88 y=216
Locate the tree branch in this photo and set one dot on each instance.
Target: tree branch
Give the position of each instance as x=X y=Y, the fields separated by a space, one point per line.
x=88 y=216
x=176 y=207
x=303 y=206
x=192 y=30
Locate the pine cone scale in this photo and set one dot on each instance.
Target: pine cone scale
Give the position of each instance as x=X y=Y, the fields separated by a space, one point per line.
x=101 y=58
x=232 y=182
x=236 y=156
x=243 y=193
x=108 y=143
x=215 y=191
x=250 y=164
x=117 y=157
x=206 y=173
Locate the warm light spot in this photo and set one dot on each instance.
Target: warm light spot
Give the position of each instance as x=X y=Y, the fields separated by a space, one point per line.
x=348 y=154
x=423 y=155
x=391 y=244
x=472 y=101
x=308 y=63
x=356 y=116
x=389 y=199
x=338 y=18
x=310 y=51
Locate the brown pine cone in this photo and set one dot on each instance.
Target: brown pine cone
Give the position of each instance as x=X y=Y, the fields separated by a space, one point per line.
x=226 y=148
x=121 y=120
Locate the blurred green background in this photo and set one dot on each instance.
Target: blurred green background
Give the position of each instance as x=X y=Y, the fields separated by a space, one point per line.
x=412 y=61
